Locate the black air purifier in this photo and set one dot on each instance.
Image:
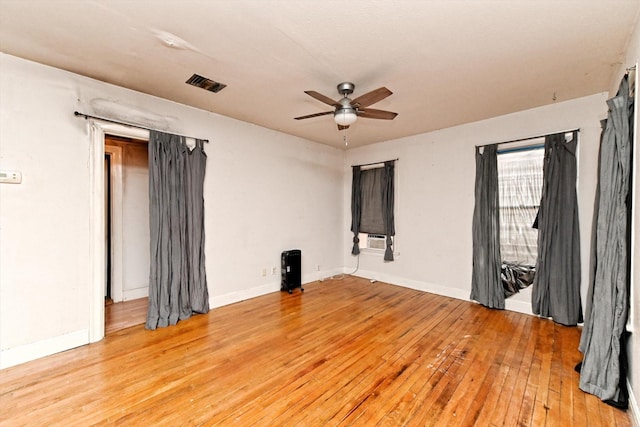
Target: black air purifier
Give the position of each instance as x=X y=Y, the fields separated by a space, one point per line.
x=290 y=270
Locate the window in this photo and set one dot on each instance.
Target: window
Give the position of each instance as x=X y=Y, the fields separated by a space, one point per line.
x=371 y=215
x=520 y=187
x=372 y=205
x=371 y=223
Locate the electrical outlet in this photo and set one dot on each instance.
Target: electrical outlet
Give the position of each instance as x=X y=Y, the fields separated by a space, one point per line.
x=264 y=272
x=317 y=267
x=273 y=271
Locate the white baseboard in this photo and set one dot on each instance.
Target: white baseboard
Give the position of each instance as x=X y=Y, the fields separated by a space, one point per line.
x=26 y=353
x=245 y=294
x=328 y=274
x=137 y=293
x=518 y=306
x=634 y=410
x=415 y=284
x=433 y=288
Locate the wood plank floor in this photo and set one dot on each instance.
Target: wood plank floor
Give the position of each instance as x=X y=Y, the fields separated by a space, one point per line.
x=122 y=315
x=344 y=352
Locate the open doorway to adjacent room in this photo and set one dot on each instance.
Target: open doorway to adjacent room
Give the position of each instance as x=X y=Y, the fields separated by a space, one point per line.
x=126 y=236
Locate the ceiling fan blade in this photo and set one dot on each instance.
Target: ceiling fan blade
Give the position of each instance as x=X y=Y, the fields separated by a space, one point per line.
x=322 y=98
x=341 y=127
x=313 y=115
x=371 y=97
x=371 y=113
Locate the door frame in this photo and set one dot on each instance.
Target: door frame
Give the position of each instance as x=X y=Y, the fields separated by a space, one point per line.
x=97 y=131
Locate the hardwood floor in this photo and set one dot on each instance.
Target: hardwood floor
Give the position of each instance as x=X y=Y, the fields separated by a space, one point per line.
x=344 y=352
x=122 y=315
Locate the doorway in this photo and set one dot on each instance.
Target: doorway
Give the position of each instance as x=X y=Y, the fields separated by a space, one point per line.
x=97 y=132
x=126 y=231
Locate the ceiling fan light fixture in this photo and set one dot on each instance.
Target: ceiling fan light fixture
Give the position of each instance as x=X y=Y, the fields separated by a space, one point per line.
x=345 y=116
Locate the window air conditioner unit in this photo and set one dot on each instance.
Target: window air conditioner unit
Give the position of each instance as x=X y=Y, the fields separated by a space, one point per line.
x=376 y=241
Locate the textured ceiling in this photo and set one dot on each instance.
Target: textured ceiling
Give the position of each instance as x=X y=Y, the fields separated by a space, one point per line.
x=447 y=62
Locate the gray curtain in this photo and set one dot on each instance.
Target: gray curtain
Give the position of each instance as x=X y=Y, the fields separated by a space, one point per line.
x=556 y=287
x=486 y=283
x=387 y=207
x=177 y=279
x=602 y=341
x=372 y=199
x=196 y=168
x=356 y=207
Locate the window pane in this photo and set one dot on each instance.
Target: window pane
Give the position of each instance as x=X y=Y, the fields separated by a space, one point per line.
x=520 y=186
x=371 y=214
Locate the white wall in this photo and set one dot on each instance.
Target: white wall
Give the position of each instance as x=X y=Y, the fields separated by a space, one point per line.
x=135 y=224
x=435 y=195
x=264 y=192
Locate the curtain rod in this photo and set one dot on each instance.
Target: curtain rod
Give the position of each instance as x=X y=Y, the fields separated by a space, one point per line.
x=88 y=116
x=377 y=163
x=529 y=138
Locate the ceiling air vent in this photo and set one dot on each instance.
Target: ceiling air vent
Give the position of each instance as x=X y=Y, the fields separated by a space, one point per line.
x=205 y=83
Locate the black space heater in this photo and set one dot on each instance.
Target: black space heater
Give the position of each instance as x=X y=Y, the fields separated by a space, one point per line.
x=291 y=271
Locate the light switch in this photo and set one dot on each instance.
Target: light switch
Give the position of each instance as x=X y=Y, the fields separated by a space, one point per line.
x=10 y=177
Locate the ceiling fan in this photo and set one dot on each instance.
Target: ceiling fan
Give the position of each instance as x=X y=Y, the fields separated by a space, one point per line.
x=348 y=110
